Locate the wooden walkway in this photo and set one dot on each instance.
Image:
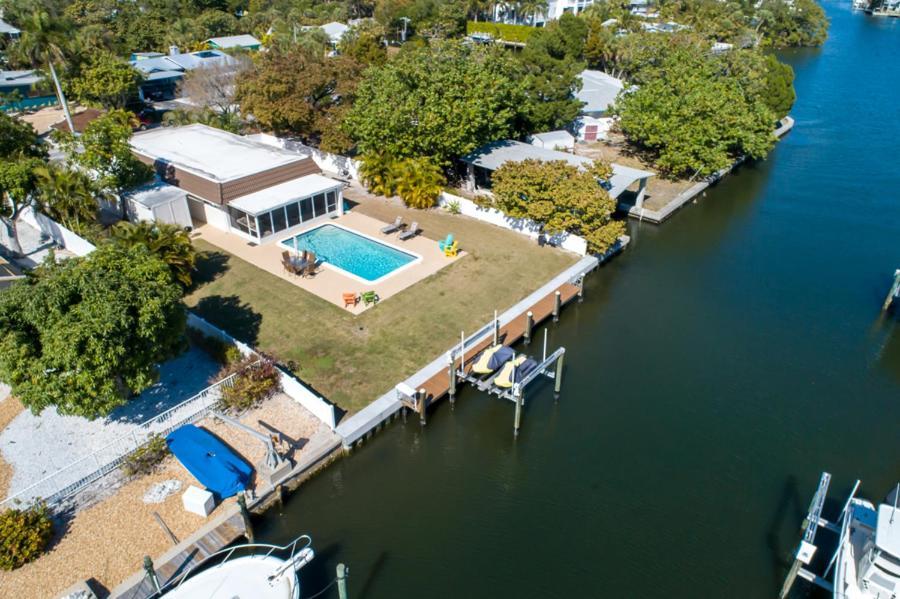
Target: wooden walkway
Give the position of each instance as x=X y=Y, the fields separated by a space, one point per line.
x=215 y=535
x=438 y=385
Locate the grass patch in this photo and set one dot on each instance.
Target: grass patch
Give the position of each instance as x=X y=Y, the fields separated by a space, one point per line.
x=352 y=360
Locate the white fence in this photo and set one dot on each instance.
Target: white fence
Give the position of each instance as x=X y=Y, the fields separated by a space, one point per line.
x=60 y=234
x=75 y=477
x=292 y=387
x=527 y=227
x=333 y=163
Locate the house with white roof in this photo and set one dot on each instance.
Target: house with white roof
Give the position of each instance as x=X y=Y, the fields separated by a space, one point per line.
x=229 y=42
x=8 y=31
x=238 y=185
x=481 y=164
x=598 y=92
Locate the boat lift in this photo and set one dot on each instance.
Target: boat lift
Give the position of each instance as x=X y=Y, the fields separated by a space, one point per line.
x=550 y=366
x=276 y=466
x=807 y=549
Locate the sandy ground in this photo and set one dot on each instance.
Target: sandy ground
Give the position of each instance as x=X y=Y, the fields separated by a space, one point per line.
x=107 y=541
x=38 y=446
x=659 y=191
x=10 y=407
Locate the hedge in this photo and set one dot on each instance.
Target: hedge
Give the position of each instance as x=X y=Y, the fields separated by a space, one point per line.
x=501 y=31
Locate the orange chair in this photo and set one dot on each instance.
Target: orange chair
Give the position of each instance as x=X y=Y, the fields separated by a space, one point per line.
x=350 y=300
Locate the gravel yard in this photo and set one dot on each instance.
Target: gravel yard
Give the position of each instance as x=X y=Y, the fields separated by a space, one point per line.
x=37 y=446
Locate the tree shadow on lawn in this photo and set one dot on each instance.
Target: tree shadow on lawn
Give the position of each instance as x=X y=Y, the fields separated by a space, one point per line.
x=210 y=266
x=231 y=315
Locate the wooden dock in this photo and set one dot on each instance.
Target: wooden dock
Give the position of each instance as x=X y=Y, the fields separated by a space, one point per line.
x=216 y=534
x=438 y=385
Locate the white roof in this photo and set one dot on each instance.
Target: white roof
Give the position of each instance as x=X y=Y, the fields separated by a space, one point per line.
x=561 y=137
x=335 y=30
x=235 y=41
x=887 y=533
x=210 y=153
x=7 y=29
x=155 y=194
x=18 y=78
x=598 y=90
x=284 y=193
x=201 y=58
x=495 y=154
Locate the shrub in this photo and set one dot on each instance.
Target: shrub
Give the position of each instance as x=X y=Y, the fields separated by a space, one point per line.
x=147 y=457
x=254 y=382
x=221 y=351
x=501 y=31
x=24 y=535
x=453 y=207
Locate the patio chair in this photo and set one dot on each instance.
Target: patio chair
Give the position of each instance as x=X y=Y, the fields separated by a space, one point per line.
x=411 y=232
x=444 y=244
x=311 y=266
x=369 y=297
x=452 y=250
x=287 y=263
x=350 y=300
x=393 y=228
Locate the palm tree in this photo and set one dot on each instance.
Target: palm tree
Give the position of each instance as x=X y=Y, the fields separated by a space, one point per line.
x=531 y=8
x=170 y=243
x=67 y=196
x=43 y=41
x=419 y=182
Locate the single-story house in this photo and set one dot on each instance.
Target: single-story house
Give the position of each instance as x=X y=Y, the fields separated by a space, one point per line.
x=162 y=73
x=9 y=31
x=553 y=140
x=245 y=41
x=335 y=31
x=239 y=185
x=19 y=81
x=159 y=202
x=598 y=92
x=481 y=163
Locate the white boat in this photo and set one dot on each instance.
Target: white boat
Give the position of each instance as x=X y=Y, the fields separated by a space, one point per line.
x=244 y=572
x=860 y=4
x=866 y=561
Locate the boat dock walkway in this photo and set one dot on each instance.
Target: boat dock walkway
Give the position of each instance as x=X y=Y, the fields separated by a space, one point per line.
x=434 y=377
x=213 y=536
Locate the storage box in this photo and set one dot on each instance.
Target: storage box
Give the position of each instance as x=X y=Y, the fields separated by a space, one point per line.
x=198 y=501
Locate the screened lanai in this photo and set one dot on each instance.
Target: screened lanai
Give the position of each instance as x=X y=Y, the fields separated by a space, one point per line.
x=275 y=209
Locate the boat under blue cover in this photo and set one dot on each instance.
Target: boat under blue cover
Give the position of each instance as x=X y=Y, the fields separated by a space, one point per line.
x=214 y=464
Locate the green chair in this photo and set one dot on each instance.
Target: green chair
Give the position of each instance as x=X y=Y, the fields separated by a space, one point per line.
x=369 y=297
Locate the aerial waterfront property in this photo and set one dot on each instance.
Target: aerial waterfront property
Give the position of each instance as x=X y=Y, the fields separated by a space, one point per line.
x=271 y=269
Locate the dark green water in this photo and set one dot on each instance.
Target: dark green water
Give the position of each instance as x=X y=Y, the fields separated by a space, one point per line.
x=714 y=371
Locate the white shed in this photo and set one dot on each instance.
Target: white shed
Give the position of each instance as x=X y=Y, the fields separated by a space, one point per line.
x=553 y=140
x=159 y=202
x=589 y=128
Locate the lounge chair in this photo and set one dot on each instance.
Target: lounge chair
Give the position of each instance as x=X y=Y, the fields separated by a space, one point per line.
x=452 y=250
x=505 y=378
x=411 y=232
x=443 y=245
x=393 y=228
x=369 y=297
x=350 y=300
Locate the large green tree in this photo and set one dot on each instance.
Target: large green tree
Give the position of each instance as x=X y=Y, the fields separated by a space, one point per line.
x=17 y=184
x=301 y=93
x=784 y=24
x=441 y=101
x=170 y=243
x=106 y=81
x=67 y=196
x=780 y=94
x=86 y=333
x=692 y=119
x=559 y=196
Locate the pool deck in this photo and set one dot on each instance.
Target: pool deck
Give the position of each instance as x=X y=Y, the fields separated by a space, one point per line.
x=328 y=283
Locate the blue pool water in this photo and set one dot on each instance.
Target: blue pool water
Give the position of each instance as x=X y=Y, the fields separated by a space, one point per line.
x=358 y=255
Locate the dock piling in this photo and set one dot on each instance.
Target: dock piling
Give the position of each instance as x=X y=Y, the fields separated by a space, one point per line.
x=557 y=382
x=529 y=324
x=420 y=403
x=496 y=331
x=557 y=305
x=151 y=572
x=245 y=516
x=451 y=392
x=342 y=573
x=519 y=401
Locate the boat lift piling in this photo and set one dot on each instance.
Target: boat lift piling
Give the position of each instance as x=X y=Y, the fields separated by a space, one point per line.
x=893 y=294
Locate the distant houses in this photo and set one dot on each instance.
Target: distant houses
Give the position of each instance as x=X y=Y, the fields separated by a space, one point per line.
x=8 y=31
x=598 y=92
x=231 y=42
x=163 y=72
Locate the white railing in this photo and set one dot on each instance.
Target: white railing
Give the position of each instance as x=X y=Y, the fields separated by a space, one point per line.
x=81 y=473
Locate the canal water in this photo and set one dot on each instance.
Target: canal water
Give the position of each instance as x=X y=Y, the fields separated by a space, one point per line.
x=713 y=371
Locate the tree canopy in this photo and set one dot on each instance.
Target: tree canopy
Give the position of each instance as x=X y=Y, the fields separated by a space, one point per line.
x=106 y=81
x=559 y=196
x=442 y=101
x=86 y=333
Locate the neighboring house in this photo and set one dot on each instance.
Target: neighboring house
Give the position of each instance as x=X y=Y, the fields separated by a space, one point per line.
x=335 y=31
x=238 y=185
x=163 y=73
x=598 y=92
x=8 y=31
x=245 y=42
x=507 y=13
x=25 y=87
x=553 y=140
x=481 y=164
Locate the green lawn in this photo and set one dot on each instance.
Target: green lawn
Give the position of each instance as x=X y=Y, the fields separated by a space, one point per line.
x=351 y=360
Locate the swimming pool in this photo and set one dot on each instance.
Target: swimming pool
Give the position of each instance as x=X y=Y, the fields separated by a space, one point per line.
x=357 y=255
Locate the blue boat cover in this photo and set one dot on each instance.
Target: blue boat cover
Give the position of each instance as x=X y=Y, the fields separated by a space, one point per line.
x=213 y=463
x=500 y=357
